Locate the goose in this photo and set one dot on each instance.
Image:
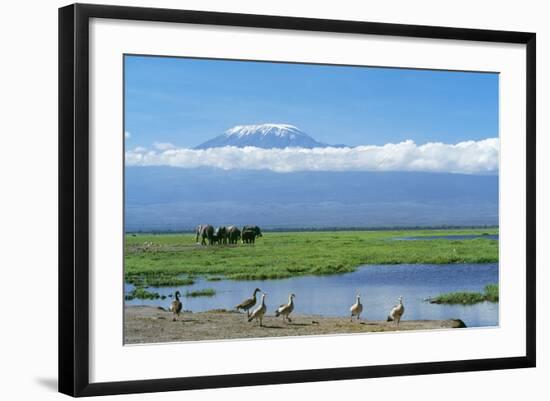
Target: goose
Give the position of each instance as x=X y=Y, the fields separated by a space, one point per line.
x=176 y=305
x=286 y=309
x=259 y=312
x=248 y=303
x=396 y=312
x=356 y=308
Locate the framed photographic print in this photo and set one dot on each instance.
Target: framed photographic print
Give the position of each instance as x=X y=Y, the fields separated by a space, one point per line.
x=344 y=199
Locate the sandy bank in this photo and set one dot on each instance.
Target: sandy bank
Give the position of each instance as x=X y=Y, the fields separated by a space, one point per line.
x=145 y=324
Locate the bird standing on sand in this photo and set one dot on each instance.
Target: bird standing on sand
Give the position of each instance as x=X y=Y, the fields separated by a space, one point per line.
x=259 y=312
x=175 y=306
x=396 y=312
x=356 y=308
x=248 y=303
x=286 y=309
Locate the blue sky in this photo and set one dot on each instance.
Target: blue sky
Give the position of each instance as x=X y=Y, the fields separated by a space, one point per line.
x=187 y=101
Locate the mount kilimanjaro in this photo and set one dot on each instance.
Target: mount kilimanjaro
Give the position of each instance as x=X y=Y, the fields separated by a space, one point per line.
x=265 y=136
x=164 y=198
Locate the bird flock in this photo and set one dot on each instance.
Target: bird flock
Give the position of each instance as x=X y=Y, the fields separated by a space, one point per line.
x=257 y=314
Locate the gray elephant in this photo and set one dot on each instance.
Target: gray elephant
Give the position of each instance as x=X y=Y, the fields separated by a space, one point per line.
x=205 y=232
x=249 y=234
x=220 y=235
x=233 y=234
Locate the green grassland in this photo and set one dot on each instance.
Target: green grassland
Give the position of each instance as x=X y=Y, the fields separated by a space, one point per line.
x=468 y=298
x=170 y=259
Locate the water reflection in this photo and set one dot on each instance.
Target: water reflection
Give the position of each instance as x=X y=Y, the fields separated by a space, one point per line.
x=379 y=286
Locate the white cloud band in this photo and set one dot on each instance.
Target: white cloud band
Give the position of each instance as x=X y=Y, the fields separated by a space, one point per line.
x=162 y=146
x=470 y=157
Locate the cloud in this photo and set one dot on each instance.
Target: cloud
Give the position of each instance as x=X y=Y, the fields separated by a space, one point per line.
x=127 y=135
x=163 y=146
x=470 y=157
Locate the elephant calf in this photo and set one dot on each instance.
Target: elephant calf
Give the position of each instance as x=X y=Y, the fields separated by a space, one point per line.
x=220 y=235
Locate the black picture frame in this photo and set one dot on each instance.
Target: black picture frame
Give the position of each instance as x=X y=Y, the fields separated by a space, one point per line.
x=74 y=198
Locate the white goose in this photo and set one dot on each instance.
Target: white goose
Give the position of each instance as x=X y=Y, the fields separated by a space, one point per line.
x=397 y=312
x=286 y=309
x=356 y=308
x=248 y=303
x=259 y=312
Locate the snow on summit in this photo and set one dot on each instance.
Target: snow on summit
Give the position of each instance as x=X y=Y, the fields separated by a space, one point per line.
x=264 y=129
x=265 y=136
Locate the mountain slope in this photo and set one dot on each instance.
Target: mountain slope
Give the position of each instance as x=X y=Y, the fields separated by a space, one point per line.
x=165 y=198
x=265 y=136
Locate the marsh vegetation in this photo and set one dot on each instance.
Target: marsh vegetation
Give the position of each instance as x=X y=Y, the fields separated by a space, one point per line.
x=490 y=294
x=205 y=292
x=173 y=259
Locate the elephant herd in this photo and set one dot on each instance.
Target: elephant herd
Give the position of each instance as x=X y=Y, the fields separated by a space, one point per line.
x=226 y=235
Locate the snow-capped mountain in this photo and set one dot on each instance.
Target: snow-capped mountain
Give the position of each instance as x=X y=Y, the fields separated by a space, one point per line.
x=265 y=136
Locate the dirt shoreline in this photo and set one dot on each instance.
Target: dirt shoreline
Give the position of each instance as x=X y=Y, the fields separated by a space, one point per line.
x=145 y=324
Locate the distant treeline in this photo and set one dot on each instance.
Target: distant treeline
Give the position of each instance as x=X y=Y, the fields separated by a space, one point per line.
x=321 y=229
